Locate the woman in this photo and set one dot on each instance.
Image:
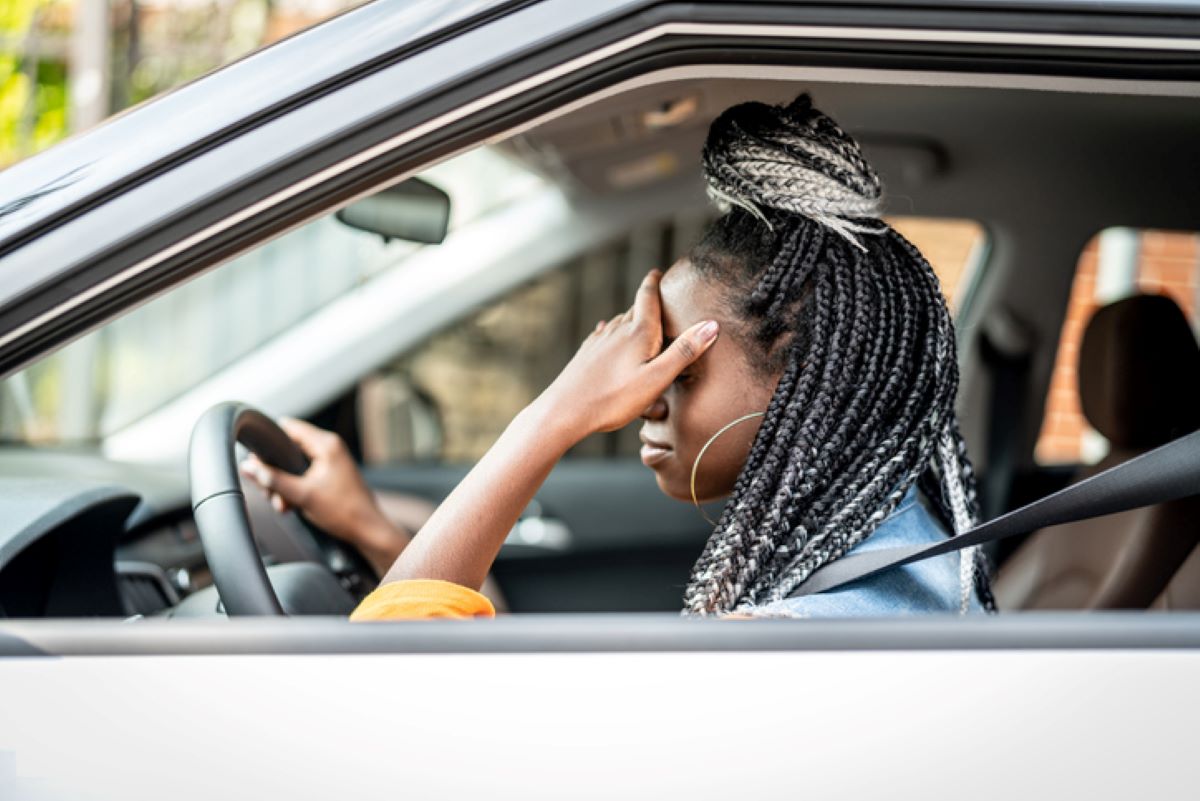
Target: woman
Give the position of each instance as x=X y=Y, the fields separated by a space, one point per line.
x=799 y=360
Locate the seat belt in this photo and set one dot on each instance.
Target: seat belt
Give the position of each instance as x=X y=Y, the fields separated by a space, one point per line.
x=1167 y=473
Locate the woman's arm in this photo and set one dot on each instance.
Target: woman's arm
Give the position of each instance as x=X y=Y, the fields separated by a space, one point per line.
x=460 y=541
x=619 y=370
x=332 y=494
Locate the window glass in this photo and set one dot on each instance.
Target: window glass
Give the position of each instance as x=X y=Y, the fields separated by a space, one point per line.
x=450 y=397
x=132 y=366
x=1116 y=263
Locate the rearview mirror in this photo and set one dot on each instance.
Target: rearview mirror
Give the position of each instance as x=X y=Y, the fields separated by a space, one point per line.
x=414 y=210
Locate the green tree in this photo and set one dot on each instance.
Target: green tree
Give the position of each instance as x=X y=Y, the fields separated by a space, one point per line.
x=33 y=85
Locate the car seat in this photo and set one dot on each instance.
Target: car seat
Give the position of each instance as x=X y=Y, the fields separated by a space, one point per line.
x=1139 y=386
x=1183 y=590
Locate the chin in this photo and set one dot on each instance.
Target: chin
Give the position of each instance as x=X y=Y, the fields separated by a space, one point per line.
x=672 y=489
x=680 y=488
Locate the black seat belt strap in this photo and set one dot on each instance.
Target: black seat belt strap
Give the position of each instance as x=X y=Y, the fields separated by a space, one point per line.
x=1166 y=473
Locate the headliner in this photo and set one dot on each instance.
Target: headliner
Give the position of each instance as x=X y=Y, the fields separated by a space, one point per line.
x=975 y=152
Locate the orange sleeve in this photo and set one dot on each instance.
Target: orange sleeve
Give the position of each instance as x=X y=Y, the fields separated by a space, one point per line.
x=421 y=599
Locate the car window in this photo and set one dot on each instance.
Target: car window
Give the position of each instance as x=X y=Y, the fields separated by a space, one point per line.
x=451 y=396
x=133 y=365
x=1116 y=263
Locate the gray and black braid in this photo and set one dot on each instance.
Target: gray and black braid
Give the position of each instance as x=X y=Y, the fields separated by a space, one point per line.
x=852 y=317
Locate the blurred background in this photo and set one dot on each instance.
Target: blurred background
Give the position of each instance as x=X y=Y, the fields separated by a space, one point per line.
x=66 y=65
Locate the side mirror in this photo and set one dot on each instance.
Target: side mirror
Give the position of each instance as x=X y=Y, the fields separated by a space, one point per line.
x=414 y=210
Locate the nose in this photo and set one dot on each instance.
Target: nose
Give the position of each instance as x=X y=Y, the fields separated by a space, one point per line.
x=656 y=410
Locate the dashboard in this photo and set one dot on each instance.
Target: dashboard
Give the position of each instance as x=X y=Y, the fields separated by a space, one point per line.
x=55 y=540
x=160 y=562
x=83 y=536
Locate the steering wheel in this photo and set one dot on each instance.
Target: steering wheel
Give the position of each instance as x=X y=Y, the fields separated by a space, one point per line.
x=223 y=523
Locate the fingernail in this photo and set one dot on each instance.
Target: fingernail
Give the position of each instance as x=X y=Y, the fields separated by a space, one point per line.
x=708 y=331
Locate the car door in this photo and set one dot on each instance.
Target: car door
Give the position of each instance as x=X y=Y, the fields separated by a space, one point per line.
x=597 y=707
x=915 y=708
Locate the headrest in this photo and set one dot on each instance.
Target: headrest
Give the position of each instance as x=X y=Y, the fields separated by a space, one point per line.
x=1139 y=372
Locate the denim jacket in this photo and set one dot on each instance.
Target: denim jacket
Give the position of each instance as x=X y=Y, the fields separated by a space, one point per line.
x=931 y=585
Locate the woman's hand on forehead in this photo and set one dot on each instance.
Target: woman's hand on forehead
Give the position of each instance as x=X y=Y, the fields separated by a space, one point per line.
x=617 y=372
x=622 y=367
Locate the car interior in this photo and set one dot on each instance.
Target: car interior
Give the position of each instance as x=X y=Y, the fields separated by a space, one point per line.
x=103 y=528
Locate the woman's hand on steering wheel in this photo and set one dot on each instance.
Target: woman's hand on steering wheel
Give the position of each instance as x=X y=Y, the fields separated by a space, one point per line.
x=331 y=493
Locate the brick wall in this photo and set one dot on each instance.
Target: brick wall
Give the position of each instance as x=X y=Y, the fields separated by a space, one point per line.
x=949 y=247
x=1167 y=264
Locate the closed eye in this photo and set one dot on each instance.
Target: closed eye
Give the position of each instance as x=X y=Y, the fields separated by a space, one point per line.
x=684 y=377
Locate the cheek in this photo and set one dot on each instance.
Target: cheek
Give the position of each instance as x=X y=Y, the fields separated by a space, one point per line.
x=695 y=419
x=723 y=460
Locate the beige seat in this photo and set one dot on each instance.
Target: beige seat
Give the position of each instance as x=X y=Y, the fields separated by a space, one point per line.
x=1139 y=385
x=1183 y=590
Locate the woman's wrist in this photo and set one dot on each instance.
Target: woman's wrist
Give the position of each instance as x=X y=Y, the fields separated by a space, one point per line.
x=373 y=529
x=379 y=540
x=556 y=423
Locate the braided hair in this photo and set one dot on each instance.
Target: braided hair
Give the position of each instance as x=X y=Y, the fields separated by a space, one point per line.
x=852 y=318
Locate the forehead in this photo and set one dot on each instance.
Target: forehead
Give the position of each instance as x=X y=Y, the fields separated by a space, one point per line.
x=687 y=299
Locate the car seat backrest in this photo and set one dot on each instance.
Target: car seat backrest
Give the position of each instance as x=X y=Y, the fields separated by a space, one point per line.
x=1183 y=590
x=1139 y=382
x=1139 y=373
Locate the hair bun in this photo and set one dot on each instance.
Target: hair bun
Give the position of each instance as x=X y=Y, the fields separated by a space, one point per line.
x=791 y=159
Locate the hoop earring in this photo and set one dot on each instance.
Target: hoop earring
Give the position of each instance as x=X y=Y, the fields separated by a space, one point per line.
x=699 y=456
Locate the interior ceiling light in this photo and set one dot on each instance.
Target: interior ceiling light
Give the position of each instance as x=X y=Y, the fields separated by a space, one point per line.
x=642 y=171
x=670 y=113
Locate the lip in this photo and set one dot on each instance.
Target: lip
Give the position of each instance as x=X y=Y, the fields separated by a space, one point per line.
x=653 y=453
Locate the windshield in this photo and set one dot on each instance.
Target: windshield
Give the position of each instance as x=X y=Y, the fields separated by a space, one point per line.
x=117 y=374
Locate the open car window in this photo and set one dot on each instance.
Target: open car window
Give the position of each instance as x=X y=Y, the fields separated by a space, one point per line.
x=642 y=138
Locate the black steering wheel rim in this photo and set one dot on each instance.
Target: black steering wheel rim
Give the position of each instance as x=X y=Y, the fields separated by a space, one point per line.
x=219 y=506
